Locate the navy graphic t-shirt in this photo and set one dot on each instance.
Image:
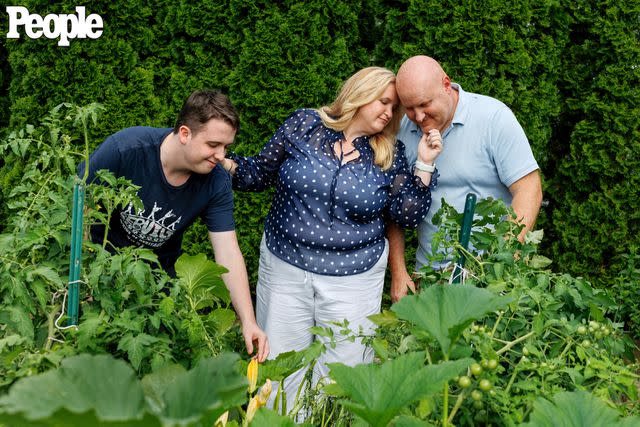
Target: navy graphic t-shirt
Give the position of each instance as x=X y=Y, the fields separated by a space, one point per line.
x=134 y=153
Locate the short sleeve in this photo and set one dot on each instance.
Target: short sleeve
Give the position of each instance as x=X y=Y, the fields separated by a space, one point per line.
x=218 y=215
x=510 y=148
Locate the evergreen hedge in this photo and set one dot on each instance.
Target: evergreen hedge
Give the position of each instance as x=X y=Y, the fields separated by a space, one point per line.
x=570 y=71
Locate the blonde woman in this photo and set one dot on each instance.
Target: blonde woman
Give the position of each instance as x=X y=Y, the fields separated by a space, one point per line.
x=339 y=175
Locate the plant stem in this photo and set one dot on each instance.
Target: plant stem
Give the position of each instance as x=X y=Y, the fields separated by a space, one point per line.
x=106 y=230
x=493 y=331
x=514 y=342
x=469 y=255
x=50 y=327
x=445 y=405
x=45 y=185
x=512 y=379
x=566 y=347
x=457 y=405
x=86 y=150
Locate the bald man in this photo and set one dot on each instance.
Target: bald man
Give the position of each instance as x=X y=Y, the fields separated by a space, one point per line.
x=485 y=151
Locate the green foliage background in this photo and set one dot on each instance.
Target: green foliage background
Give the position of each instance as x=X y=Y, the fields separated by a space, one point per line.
x=570 y=70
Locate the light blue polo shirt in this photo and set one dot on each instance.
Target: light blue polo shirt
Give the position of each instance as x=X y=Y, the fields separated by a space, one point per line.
x=484 y=151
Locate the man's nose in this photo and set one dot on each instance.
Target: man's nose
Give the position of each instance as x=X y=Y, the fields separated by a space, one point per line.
x=219 y=154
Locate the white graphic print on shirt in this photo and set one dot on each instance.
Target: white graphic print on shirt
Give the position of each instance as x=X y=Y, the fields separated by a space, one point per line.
x=147 y=230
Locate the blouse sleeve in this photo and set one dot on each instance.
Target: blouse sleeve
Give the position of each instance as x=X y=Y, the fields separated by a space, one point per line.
x=260 y=172
x=410 y=199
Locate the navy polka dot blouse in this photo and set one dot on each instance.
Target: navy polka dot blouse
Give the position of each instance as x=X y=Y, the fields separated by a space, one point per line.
x=327 y=217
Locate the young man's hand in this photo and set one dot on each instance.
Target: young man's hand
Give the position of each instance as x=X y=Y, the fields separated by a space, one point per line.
x=256 y=339
x=227 y=253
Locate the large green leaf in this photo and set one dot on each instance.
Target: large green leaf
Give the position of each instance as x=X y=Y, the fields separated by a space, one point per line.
x=267 y=418
x=201 y=277
x=576 y=409
x=85 y=390
x=445 y=311
x=377 y=393
x=102 y=391
x=156 y=383
x=205 y=392
x=287 y=363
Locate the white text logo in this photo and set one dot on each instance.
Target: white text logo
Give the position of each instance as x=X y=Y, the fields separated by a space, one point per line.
x=63 y=27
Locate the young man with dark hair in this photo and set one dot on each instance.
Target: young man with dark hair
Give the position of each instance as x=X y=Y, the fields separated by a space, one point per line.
x=177 y=170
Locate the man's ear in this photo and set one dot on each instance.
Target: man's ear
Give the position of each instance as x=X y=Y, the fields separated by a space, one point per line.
x=184 y=134
x=446 y=82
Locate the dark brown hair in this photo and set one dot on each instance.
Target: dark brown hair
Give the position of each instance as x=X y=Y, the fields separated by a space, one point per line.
x=204 y=105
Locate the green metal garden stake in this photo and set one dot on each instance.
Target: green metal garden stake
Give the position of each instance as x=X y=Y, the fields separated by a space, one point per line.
x=465 y=233
x=76 y=254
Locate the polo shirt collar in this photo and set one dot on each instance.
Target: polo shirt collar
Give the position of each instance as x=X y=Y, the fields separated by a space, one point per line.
x=462 y=109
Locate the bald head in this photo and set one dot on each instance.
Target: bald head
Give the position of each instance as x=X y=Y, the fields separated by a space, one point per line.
x=426 y=93
x=419 y=71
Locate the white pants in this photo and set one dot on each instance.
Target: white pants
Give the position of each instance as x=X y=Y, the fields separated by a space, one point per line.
x=290 y=300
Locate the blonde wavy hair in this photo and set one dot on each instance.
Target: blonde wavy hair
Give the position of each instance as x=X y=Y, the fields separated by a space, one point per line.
x=365 y=86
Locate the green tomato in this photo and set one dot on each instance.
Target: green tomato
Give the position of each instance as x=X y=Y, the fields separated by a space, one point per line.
x=593 y=324
x=485 y=385
x=598 y=335
x=476 y=369
x=606 y=331
x=478 y=404
x=582 y=330
x=484 y=363
x=476 y=395
x=464 y=382
x=586 y=343
x=492 y=364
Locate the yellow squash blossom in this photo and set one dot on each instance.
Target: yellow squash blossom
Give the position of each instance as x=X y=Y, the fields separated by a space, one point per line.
x=252 y=374
x=222 y=420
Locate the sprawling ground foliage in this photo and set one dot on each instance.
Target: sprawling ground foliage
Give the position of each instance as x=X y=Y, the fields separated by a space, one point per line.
x=516 y=343
x=568 y=68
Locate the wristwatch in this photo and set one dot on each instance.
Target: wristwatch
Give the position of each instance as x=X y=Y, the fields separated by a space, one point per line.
x=425 y=167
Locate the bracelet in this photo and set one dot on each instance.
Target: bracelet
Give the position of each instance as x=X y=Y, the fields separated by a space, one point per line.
x=425 y=167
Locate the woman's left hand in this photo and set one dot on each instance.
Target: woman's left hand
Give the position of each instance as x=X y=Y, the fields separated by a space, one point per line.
x=430 y=146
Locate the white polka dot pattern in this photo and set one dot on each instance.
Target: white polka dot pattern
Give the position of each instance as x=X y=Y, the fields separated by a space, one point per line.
x=327 y=217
